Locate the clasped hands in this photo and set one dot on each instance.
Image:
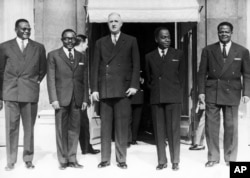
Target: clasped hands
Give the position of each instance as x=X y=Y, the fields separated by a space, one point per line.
x=129 y=92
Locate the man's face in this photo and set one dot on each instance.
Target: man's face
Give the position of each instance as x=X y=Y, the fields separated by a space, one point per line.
x=163 y=39
x=69 y=40
x=114 y=23
x=23 y=30
x=225 y=34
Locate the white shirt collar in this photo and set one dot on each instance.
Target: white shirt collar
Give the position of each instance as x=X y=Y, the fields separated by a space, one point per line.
x=160 y=51
x=228 y=46
x=19 y=41
x=116 y=36
x=67 y=51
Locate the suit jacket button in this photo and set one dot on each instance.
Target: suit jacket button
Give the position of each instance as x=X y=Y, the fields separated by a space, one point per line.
x=159 y=78
x=107 y=65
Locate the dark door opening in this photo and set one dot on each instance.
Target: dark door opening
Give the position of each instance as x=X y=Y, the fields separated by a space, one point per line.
x=144 y=32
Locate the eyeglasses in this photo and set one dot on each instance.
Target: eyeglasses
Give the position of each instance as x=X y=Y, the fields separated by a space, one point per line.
x=68 y=39
x=25 y=29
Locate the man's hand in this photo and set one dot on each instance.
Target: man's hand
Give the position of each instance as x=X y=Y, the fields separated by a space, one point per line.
x=95 y=96
x=245 y=99
x=84 y=106
x=55 y=105
x=1 y=105
x=131 y=91
x=202 y=98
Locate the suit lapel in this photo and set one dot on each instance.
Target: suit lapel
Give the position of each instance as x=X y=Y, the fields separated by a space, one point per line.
x=218 y=54
x=230 y=58
x=170 y=55
x=64 y=57
x=157 y=60
x=121 y=41
x=77 y=59
x=15 y=48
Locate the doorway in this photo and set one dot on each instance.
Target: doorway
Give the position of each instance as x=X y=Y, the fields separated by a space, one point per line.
x=184 y=34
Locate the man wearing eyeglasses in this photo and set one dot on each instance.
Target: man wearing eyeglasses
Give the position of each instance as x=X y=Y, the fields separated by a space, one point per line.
x=68 y=93
x=22 y=68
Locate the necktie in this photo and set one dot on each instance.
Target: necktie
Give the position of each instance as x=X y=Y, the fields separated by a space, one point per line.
x=22 y=46
x=163 y=54
x=224 y=53
x=114 y=40
x=71 y=58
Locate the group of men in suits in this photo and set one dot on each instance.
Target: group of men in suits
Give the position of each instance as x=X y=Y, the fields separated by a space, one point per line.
x=114 y=80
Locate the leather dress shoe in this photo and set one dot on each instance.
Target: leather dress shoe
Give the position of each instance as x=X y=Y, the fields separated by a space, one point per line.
x=91 y=151
x=161 y=166
x=63 y=166
x=211 y=163
x=103 y=164
x=122 y=165
x=29 y=165
x=175 y=166
x=197 y=147
x=75 y=165
x=9 y=167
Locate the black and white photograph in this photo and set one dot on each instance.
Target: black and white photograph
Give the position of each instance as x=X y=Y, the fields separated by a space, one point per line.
x=124 y=88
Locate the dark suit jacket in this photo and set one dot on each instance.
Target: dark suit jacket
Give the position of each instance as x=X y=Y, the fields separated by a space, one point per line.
x=115 y=68
x=165 y=77
x=65 y=81
x=221 y=83
x=21 y=73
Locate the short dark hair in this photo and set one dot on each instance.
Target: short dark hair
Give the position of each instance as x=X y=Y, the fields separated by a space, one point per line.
x=225 y=23
x=80 y=38
x=157 y=30
x=67 y=30
x=19 y=21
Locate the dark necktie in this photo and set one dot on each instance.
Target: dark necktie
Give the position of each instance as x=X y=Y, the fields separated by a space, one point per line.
x=224 y=53
x=162 y=53
x=71 y=58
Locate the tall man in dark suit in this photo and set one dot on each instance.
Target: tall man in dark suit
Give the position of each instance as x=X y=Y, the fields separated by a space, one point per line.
x=68 y=93
x=164 y=75
x=22 y=68
x=224 y=74
x=84 y=137
x=115 y=77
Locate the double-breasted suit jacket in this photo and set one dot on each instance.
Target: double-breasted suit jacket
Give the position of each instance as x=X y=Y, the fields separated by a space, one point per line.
x=21 y=73
x=221 y=83
x=164 y=77
x=115 y=68
x=66 y=81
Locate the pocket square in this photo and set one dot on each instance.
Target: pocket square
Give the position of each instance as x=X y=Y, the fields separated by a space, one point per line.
x=81 y=63
x=237 y=59
x=175 y=60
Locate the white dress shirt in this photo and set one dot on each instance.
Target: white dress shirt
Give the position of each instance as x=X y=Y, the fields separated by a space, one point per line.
x=160 y=51
x=67 y=52
x=228 y=46
x=19 y=42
